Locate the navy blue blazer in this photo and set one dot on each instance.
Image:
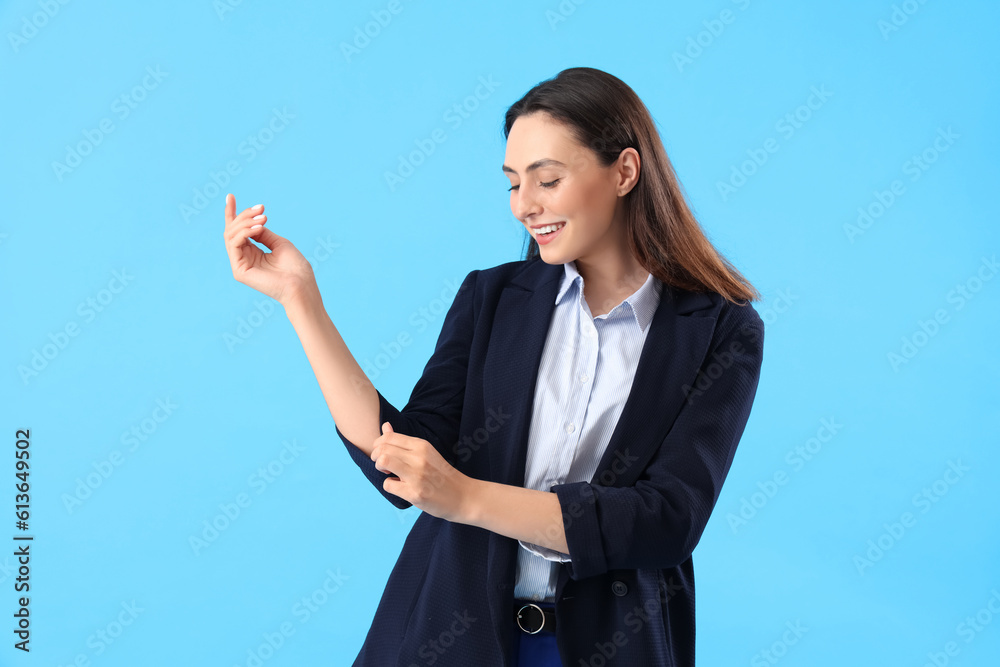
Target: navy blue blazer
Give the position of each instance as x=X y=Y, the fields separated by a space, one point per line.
x=627 y=594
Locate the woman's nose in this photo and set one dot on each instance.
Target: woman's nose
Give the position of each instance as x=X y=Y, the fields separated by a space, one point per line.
x=524 y=206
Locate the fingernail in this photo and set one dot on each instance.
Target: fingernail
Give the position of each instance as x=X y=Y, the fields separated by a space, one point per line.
x=258 y=207
x=259 y=217
x=255 y=226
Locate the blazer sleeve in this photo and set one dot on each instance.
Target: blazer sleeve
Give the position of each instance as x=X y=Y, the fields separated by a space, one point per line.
x=434 y=410
x=657 y=522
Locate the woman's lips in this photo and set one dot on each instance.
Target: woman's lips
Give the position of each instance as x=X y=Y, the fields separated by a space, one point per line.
x=548 y=238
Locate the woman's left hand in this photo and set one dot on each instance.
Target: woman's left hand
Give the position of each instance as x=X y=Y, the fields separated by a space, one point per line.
x=423 y=477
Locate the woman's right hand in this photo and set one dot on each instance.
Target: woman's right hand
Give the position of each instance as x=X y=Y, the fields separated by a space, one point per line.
x=280 y=274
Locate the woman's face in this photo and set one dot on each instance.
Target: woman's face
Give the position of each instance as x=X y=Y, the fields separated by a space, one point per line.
x=556 y=180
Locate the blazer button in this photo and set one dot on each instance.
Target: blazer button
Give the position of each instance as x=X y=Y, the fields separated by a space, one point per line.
x=619 y=588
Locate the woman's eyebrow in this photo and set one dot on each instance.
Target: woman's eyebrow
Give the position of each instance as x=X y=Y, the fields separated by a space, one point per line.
x=537 y=164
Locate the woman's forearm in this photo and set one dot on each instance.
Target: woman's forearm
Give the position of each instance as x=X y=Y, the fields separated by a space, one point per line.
x=516 y=512
x=349 y=394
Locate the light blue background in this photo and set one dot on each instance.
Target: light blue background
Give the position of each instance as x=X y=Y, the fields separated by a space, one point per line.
x=388 y=260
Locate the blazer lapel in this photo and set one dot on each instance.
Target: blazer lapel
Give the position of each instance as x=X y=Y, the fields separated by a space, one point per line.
x=510 y=371
x=671 y=356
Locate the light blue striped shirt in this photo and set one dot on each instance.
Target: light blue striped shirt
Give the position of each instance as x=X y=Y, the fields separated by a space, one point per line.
x=584 y=379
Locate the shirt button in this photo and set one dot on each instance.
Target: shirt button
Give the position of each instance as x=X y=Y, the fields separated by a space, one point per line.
x=570 y=428
x=583 y=378
x=536 y=596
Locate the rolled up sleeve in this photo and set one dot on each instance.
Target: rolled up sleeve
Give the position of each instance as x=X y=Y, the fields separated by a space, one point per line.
x=658 y=521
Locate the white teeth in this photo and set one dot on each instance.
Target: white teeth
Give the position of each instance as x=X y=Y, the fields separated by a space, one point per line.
x=549 y=228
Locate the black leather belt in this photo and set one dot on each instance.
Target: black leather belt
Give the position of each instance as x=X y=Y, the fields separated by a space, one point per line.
x=533 y=619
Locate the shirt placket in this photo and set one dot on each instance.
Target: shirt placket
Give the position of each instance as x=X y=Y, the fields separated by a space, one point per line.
x=582 y=368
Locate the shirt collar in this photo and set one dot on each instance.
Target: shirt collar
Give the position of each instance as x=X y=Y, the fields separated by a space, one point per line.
x=642 y=303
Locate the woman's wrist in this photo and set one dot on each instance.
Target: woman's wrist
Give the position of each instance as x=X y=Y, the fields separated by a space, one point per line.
x=302 y=300
x=470 y=504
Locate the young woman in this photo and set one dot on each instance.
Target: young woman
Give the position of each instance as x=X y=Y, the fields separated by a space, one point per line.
x=570 y=434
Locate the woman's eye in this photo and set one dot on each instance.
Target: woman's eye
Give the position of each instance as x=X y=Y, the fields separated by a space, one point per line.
x=544 y=185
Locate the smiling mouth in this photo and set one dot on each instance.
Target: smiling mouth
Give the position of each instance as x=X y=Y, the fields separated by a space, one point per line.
x=548 y=229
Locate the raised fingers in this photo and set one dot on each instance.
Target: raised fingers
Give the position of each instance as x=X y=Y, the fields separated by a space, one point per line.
x=249 y=217
x=258 y=220
x=251 y=213
x=245 y=214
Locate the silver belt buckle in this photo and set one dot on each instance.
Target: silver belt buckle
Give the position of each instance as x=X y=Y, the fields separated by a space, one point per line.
x=541 y=616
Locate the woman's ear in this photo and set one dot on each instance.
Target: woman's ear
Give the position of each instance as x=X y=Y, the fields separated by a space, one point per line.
x=628 y=170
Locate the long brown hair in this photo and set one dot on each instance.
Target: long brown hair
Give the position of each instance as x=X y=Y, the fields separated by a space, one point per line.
x=605 y=114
